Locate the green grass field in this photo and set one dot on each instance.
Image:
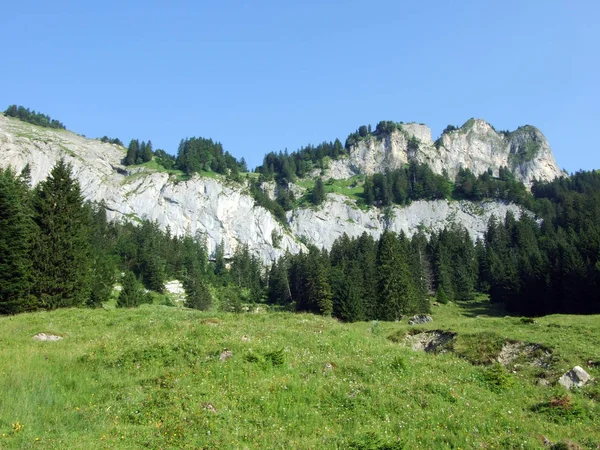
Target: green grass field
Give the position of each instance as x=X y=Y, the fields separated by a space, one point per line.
x=152 y=378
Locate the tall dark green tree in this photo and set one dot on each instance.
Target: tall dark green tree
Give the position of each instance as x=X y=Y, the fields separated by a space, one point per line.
x=397 y=292
x=198 y=295
x=61 y=250
x=318 y=192
x=131 y=294
x=103 y=262
x=146 y=152
x=132 y=152
x=15 y=243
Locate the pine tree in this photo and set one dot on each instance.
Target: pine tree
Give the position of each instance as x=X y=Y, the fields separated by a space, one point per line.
x=198 y=295
x=318 y=192
x=132 y=152
x=15 y=243
x=146 y=152
x=61 y=250
x=131 y=294
x=397 y=292
x=220 y=268
x=369 y=194
x=103 y=262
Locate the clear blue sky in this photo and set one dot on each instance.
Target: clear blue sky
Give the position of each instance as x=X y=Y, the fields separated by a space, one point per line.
x=261 y=76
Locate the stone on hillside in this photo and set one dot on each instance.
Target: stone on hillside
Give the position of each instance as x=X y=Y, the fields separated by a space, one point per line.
x=225 y=355
x=576 y=377
x=420 y=319
x=47 y=337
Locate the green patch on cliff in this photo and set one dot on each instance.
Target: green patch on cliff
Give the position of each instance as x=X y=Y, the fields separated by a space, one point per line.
x=524 y=153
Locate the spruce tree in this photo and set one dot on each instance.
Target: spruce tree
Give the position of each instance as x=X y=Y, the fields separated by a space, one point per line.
x=15 y=242
x=397 y=291
x=102 y=261
x=132 y=152
x=61 y=249
x=146 y=152
x=131 y=294
x=198 y=295
x=318 y=192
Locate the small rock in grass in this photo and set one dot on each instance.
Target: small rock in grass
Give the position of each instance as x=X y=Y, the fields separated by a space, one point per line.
x=328 y=367
x=576 y=377
x=47 y=337
x=225 y=355
x=419 y=319
x=209 y=407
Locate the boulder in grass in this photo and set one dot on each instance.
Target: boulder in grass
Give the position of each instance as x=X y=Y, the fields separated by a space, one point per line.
x=576 y=377
x=420 y=319
x=47 y=337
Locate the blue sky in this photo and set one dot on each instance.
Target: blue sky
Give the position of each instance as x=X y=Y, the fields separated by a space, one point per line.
x=267 y=75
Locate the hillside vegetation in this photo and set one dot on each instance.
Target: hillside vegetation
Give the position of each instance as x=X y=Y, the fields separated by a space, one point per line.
x=159 y=377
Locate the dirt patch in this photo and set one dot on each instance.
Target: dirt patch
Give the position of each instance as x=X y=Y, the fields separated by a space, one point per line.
x=517 y=352
x=435 y=341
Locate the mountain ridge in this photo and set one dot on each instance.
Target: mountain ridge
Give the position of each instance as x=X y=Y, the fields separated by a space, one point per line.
x=223 y=211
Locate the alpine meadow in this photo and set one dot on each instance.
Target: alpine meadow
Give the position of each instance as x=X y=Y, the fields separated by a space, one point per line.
x=388 y=291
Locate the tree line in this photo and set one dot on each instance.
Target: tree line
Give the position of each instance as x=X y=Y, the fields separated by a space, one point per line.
x=58 y=251
x=36 y=118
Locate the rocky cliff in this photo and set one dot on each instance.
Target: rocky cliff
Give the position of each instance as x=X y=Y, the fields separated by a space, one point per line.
x=223 y=211
x=476 y=146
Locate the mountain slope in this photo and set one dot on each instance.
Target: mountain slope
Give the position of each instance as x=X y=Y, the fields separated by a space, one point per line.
x=223 y=211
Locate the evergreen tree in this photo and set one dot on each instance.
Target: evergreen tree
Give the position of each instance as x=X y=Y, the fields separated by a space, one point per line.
x=318 y=192
x=397 y=292
x=132 y=153
x=61 y=250
x=198 y=295
x=368 y=194
x=131 y=294
x=220 y=267
x=15 y=243
x=146 y=152
x=102 y=261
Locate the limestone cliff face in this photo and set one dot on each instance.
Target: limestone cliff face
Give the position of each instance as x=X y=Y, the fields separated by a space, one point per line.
x=219 y=212
x=222 y=211
x=476 y=146
x=324 y=225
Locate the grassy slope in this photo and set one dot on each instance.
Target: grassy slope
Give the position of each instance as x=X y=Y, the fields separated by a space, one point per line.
x=151 y=377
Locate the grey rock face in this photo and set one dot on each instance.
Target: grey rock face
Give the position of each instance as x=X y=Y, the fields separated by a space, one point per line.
x=476 y=146
x=207 y=207
x=420 y=319
x=217 y=210
x=576 y=377
x=322 y=226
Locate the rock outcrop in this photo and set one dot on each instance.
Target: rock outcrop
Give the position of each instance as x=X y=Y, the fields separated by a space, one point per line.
x=476 y=146
x=222 y=211
x=574 y=378
x=322 y=226
x=210 y=207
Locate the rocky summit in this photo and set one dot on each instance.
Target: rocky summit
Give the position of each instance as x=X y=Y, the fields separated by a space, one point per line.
x=476 y=146
x=224 y=211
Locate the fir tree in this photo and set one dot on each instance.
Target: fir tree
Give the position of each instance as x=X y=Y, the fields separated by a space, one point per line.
x=15 y=243
x=132 y=153
x=61 y=250
x=146 y=152
x=397 y=292
x=131 y=294
x=318 y=192
x=198 y=295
